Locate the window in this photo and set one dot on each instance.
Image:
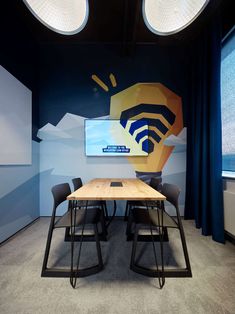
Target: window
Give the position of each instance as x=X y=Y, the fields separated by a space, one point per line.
x=228 y=102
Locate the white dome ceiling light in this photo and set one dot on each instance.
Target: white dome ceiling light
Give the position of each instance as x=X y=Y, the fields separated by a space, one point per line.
x=66 y=17
x=166 y=17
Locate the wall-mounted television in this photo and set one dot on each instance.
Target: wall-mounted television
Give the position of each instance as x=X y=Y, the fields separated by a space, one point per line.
x=106 y=137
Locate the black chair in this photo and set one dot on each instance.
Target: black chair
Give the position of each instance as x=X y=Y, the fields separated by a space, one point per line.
x=77 y=184
x=155 y=183
x=74 y=218
x=156 y=218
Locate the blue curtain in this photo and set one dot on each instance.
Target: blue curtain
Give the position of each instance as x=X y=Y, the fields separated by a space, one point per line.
x=204 y=190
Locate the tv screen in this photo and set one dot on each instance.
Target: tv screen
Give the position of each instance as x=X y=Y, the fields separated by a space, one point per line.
x=116 y=137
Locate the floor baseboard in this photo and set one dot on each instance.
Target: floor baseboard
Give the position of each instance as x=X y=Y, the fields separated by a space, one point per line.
x=17 y=232
x=229 y=237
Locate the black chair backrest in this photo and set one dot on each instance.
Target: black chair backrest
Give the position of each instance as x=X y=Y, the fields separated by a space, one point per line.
x=60 y=193
x=171 y=192
x=155 y=183
x=77 y=183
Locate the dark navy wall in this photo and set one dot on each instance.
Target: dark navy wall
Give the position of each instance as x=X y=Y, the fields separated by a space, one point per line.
x=66 y=84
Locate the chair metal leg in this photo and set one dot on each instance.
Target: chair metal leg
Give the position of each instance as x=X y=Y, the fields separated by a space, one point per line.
x=104 y=207
x=48 y=246
x=73 y=277
x=100 y=260
x=113 y=215
x=127 y=211
x=129 y=224
x=134 y=246
x=184 y=246
x=104 y=231
x=161 y=277
x=67 y=236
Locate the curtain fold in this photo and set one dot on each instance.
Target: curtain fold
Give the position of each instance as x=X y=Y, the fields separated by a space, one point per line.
x=204 y=186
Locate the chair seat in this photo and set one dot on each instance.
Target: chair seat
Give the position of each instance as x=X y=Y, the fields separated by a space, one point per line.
x=142 y=216
x=89 y=203
x=136 y=203
x=91 y=217
x=143 y=203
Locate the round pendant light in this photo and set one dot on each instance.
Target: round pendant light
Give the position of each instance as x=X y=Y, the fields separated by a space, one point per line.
x=66 y=17
x=166 y=17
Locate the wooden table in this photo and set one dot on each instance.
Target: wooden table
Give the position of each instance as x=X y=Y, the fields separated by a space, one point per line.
x=131 y=189
x=101 y=189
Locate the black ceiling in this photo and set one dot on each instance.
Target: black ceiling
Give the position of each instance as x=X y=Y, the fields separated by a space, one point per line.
x=118 y=21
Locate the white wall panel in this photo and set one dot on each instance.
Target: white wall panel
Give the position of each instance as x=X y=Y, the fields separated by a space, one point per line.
x=229 y=211
x=15 y=121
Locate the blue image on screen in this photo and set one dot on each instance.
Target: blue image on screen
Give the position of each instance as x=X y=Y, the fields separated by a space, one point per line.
x=109 y=138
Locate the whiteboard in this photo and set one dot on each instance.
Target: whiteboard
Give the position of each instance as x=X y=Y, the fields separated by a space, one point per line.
x=15 y=121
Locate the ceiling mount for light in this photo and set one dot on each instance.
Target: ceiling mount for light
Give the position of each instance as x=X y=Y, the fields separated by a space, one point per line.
x=66 y=17
x=166 y=17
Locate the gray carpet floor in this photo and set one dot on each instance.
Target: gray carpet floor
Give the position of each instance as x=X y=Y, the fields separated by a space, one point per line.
x=116 y=289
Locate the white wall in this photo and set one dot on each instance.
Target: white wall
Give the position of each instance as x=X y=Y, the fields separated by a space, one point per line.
x=15 y=121
x=229 y=206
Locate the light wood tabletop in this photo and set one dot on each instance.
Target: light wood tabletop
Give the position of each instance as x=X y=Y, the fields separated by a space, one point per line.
x=101 y=189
